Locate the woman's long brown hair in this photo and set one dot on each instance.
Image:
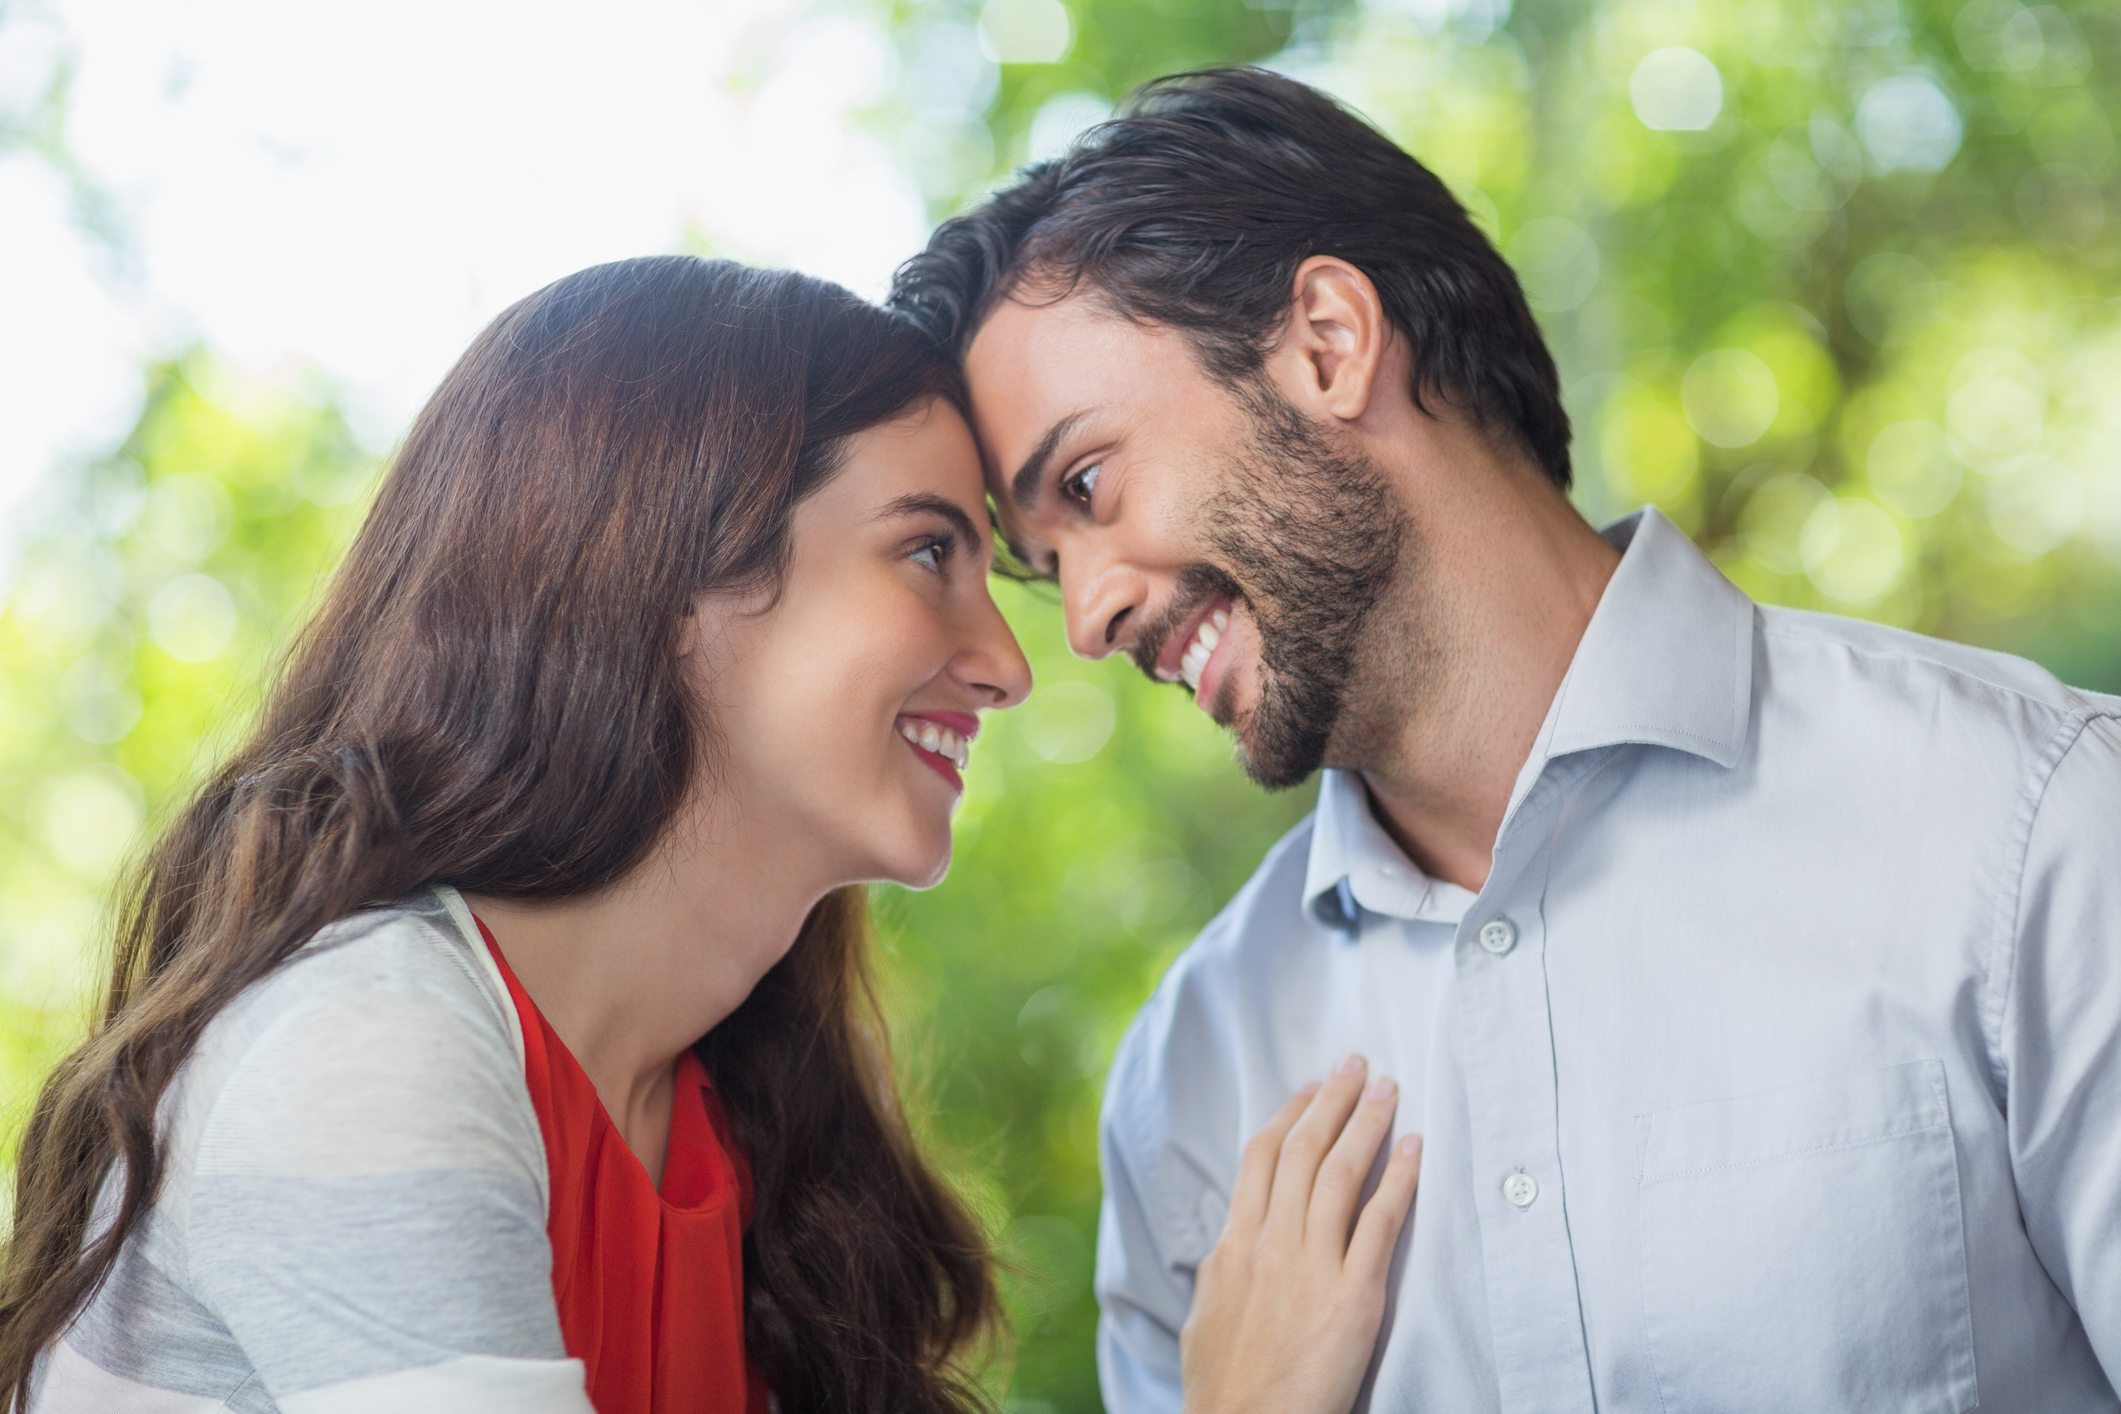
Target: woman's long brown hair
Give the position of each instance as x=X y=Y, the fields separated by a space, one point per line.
x=490 y=697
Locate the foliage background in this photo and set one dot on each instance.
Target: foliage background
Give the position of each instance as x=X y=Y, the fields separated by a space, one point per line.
x=1832 y=283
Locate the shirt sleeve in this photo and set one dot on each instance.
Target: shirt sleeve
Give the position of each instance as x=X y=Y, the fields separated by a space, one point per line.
x=2062 y=1035
x=367 y=1216
x=1144 y=1267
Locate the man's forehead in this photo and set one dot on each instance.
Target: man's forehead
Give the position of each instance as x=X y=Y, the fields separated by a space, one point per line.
x=1036 y=361
x=1028 y=335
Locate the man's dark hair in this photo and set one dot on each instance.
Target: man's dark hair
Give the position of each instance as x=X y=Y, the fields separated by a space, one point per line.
x=1192 y=209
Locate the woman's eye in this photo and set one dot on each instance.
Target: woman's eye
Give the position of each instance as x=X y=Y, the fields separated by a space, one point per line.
x=1082 y=485
x=930 y=555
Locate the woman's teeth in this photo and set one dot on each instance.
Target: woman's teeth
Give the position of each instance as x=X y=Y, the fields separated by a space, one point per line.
x=940 y=740
x=1198 y=651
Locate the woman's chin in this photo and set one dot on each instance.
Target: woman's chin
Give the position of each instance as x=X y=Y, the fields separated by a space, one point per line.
x=927 y=876
x=922 y=858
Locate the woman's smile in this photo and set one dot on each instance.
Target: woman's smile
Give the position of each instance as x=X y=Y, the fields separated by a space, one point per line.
x=942 y=741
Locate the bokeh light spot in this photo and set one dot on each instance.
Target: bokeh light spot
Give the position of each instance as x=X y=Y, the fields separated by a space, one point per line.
x=91 y=817
x=1994 y=414
x=1067 y=722
x=1025 y=31
x=1911 y=468
x=1676 y=90
x=1730 y=397
x=1814 y=166
x=187 y=515
x=1908 y=125
x=1648 y=450
x=2034 y=503
x=1774 y=517
x=192 y=618
x=1999 y=36
x=57 y=603
x=1852 y=550
x=99 y=704
x=948 y=72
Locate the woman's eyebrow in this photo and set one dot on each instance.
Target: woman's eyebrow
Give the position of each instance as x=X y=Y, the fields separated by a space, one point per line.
x=928 y=503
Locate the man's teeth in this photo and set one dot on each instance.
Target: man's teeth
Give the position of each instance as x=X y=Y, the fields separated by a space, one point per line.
x=1199 y=650
x=940 y=740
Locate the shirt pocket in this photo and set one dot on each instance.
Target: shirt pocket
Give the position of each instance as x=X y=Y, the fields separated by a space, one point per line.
x=1803 y=1249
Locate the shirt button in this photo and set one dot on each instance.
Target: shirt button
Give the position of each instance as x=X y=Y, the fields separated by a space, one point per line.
x=1498 y=936
x=1520 y=1189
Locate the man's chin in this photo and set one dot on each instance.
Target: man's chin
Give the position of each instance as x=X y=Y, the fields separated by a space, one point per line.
x=1275 y=760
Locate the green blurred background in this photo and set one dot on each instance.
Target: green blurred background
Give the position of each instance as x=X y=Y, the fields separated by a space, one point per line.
x=1833 y=284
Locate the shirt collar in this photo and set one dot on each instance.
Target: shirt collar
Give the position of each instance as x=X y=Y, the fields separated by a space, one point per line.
x=1668 y=657
x=1355 y=865
x=1667 y=660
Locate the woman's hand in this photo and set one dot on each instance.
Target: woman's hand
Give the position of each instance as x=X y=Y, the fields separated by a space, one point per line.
x=1286 y=1308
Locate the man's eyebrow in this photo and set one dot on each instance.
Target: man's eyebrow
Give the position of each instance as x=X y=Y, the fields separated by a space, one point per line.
x=928 y=503
x=1023 y=487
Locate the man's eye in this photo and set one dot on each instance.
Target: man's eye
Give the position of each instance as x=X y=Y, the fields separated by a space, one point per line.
x=1082 y=485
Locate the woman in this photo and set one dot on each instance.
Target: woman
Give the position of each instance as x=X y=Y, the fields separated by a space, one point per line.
x=492 y=1032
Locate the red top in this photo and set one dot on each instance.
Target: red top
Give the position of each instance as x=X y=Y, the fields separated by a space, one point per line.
x=650 y=1284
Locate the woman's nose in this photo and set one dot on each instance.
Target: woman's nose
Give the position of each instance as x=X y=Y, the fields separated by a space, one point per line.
x=994 y=661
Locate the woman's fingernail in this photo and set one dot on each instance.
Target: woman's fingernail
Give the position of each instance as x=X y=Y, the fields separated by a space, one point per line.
x=1411 y=1146
x=1306 y=1091
x=1384 y=1087
x=1353 y=1065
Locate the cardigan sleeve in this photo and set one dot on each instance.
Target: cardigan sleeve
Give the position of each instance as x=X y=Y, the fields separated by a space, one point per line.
x=366 y=1214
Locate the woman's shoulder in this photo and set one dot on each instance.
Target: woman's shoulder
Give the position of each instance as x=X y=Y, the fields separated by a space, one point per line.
x=354 y=1194
x=378 y=1045
x=371 y=983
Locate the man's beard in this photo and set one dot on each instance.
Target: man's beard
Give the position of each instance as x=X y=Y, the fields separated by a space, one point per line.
x=1312 y=540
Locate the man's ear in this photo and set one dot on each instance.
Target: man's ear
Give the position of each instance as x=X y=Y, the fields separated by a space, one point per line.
x=1334 y=342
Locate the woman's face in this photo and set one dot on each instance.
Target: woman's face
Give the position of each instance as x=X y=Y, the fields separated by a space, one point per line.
x=843 y=709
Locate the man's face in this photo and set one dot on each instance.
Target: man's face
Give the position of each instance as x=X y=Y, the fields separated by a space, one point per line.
x=1211 y=532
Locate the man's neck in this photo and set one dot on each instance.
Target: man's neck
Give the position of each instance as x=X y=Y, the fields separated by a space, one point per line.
x=1505 y=581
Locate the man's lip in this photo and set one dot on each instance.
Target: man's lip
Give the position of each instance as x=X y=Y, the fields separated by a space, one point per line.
x=1211 y=674
x=963 y=723
x=1176 y=645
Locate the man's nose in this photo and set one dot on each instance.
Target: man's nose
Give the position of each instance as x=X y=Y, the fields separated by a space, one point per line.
x=1099 y=600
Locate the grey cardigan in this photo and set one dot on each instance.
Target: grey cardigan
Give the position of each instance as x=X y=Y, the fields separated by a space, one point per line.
x=353 y=1213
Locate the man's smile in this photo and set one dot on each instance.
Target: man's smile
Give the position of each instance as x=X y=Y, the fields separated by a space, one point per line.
x=1185 y=653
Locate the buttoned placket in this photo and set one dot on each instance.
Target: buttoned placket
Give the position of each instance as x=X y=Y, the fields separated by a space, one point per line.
x=1505 y=1024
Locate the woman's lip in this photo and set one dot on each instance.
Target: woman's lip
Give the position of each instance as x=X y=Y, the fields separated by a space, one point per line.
x=1175 y=647
x=942 y=765
x=963 y=723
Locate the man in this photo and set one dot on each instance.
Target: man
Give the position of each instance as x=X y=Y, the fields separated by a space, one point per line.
x=1751 y=974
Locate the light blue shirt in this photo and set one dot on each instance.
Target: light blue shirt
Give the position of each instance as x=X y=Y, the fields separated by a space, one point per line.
x=1776 y=1067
